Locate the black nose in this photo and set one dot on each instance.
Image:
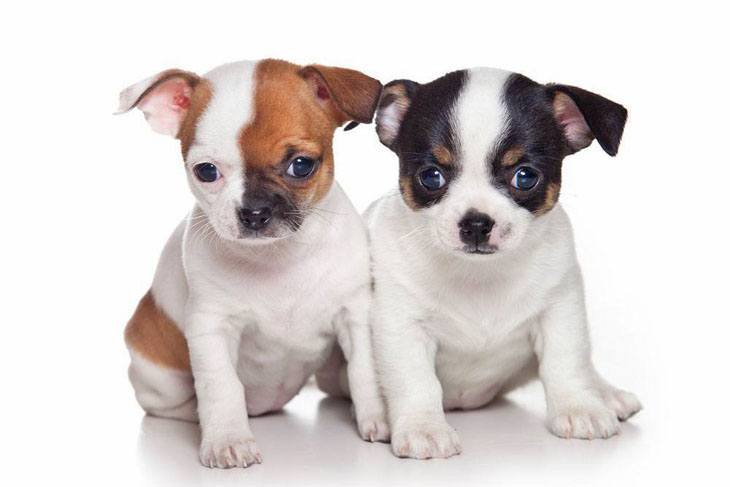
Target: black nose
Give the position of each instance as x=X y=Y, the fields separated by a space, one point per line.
x=474 y=228
x=255 y=218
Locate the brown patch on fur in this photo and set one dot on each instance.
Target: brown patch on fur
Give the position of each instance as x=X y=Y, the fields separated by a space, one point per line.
x=551 y=197
x=406 y=191
x=512 y=156
x=355 y=95
x=288 y=121
x=198 y=103
x=156 y=337
x=443 y=155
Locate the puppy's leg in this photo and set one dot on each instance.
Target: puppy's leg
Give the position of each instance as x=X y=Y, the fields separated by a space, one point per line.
x=227 y=440
x=160 y=367
x=162 y=391
x=355 y=339
x=580 y=403
x=332 y=376
x=405 y=357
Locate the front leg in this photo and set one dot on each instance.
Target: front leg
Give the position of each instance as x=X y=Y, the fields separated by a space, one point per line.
x=405 y=360
x=227 y=440
x=580 y=403
x=355 y=340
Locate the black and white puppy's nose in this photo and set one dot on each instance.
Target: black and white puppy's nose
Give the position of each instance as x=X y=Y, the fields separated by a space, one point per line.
x=255 y=218
x=474 y=228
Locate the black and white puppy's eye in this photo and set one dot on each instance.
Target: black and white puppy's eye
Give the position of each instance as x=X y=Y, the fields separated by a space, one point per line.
x=301 y=167
x=432 y=178
x=206 y=172
x=525 y=178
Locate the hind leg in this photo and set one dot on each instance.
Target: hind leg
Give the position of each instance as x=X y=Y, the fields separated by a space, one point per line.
x=162 y=391
x=160 y=368
x=332 y=377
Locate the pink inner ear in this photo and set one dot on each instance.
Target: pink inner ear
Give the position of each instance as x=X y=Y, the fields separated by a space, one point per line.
x=572 y=122
x=165 y=106
x=322 y=92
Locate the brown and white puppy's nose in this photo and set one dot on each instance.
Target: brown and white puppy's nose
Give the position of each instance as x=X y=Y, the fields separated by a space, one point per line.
x=256 y=218
x=474 y=230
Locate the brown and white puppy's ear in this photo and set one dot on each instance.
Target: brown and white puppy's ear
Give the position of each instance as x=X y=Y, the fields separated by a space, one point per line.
x=392 y=109
x=164 y=99
x=583 y=116
x=347 y=95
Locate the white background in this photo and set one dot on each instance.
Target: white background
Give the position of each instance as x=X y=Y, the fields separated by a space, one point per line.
x=88 y=200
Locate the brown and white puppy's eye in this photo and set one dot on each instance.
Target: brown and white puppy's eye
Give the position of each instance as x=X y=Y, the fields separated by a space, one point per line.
x=206 y=172
x=302 y=167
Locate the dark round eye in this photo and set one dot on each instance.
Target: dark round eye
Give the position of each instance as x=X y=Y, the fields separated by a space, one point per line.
x=525 y=178
x=301 y=167
x=206 y=172
x=431 y=178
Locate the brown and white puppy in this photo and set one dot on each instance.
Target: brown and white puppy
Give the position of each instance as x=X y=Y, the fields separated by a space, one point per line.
x=268 y=276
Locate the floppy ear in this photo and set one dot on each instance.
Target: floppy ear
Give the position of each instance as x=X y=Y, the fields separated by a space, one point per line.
x=164 y=99
x=393 y=106
x=346 y=94
x=584 y=116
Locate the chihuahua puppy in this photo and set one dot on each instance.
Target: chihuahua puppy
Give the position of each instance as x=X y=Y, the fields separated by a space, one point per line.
x=477 y=286
x=267 y=279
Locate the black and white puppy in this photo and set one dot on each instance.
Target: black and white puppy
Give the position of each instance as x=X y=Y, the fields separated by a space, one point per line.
x=477 y=285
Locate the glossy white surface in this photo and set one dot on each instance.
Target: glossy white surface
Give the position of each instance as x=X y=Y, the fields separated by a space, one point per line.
x=314 y=443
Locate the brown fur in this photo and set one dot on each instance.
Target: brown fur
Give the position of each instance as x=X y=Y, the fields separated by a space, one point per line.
x=198 y=103
x=443 y=155
x=288 y=120
x=551 y=197
x=407 y=192
x=355 y=95
x=153 y=335
x=512 y=156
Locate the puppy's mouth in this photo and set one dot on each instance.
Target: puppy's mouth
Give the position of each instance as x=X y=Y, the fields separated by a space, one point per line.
x=275 y=228
x=481 y=249
x=274 y=231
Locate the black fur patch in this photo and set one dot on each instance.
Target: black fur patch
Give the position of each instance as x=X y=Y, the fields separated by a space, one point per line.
x=261 y=191
x=426 y=126
x=531 y=128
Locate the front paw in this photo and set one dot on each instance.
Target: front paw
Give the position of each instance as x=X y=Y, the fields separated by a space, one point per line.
x=229 y=452
x=585 y=422
x=374 y=428
x=425 y=439
x=623 y=403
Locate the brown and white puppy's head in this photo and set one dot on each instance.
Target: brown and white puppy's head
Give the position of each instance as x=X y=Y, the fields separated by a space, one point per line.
x=256 y=137
x=481 y=151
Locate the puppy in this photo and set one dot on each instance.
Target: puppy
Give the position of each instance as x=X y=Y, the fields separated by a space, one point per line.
x=267 y=279
x=477 y=287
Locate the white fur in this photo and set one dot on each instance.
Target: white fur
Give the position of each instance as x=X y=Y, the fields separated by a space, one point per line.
x=259 y=319
x=453 y=330
x=216 y=141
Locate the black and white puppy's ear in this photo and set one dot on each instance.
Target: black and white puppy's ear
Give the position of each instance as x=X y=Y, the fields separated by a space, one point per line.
x=583 y=116
x=392 y=109
x=163 y=98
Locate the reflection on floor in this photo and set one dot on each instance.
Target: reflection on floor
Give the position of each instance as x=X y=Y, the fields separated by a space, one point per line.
x=314 y=442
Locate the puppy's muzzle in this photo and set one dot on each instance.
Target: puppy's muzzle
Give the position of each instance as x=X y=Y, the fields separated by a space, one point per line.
x=256 y=218
x=474 y=231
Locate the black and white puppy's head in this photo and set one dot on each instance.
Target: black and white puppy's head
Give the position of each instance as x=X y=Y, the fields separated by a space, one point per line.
x=481 y=150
